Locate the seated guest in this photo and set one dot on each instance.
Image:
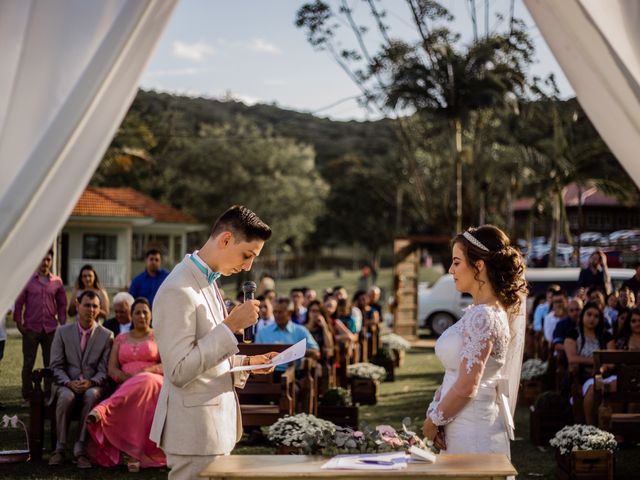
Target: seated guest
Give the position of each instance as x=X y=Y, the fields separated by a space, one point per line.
x=629 y=335
x=558 y=313
x=626 y=298
x=79 y=358
x=611 y=310
x=567 y=326
x=369 y=314
x=121 y=322
x=265 y=313
x=134 y=364
x=344 y=312
x=309 y=296
x=299 y=312
x=320 y=328
x=284 y=331
x=591 y=335
x=374 y=299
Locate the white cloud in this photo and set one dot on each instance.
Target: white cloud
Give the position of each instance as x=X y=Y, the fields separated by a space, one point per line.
x=263 y=46
x=177 y=72
x=196 y=52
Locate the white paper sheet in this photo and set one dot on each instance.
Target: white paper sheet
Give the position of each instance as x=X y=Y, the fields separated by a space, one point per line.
x=291 y=354
x=366 y=461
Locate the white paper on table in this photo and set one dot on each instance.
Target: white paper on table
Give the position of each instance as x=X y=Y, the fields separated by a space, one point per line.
x=294 y=352
x=356 y=462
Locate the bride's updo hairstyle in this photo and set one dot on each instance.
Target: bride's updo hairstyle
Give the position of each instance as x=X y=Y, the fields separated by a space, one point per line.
x=504 y=264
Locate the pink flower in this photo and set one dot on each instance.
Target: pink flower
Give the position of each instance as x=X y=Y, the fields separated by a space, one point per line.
x=386 y=431
x=358 y=434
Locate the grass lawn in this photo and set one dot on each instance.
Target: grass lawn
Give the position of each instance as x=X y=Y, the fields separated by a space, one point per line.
x=406 y=397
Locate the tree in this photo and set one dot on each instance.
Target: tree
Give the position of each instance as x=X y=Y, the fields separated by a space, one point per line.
x=240 y=163
x=431 y=75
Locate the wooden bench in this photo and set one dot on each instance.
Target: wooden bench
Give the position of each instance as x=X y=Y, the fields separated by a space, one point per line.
x=627 y=391
x=263 y=400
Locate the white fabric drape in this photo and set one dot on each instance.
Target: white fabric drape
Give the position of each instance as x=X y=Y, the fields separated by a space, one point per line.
x=70 y=70
x=597 y=44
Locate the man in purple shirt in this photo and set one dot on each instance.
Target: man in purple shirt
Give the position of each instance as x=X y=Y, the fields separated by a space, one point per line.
x=38 y=311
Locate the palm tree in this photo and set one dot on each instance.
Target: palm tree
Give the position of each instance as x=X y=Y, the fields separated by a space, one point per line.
x=436 y=77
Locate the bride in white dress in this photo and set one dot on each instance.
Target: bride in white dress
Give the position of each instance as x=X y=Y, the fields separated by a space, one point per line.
x=472 y=411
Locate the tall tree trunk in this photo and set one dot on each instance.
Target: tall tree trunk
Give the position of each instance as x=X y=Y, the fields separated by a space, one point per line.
x=555 y=226
x=458 y=169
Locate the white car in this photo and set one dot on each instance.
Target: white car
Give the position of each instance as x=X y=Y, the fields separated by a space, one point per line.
x=441 y=306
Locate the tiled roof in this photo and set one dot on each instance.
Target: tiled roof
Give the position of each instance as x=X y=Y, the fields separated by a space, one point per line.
x=126 y=202
x=590 y=197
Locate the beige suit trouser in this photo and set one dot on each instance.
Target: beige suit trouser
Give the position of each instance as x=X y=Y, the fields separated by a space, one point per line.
x=187 y=467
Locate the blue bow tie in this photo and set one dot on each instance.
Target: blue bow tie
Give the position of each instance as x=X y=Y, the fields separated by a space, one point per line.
x=211 y=277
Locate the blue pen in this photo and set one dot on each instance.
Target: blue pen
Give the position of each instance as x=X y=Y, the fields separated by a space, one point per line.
x=375 y=462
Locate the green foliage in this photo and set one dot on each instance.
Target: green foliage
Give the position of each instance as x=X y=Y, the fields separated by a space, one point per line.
x=336 y=397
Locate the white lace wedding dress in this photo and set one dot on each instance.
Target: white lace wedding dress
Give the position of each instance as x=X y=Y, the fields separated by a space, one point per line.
x=480 y=337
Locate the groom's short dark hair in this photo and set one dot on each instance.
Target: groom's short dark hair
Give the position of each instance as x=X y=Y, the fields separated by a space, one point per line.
x=243 y=223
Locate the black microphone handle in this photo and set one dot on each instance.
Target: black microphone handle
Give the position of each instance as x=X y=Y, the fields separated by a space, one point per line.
x=249 y=332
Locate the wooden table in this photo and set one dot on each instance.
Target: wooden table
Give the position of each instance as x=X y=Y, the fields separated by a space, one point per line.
x=459 y=467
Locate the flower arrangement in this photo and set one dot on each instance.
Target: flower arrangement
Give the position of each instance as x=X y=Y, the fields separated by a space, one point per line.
x=393 y=341
x=297 y=430
x=583 y=437
x=367 y=371
x=314 y=436
x=533 y=368
x=336 y=397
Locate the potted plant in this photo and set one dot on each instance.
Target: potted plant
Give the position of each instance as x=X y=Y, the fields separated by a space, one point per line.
x=364 y=379
x=396 y=344
x=386 y=359
x=584 y=451
x=550 y=412
x=531 y=380
x=336 y=406
x=292 y=434
x=305 y=434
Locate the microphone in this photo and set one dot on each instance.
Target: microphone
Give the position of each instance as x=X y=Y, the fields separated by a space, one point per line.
x=249 y=290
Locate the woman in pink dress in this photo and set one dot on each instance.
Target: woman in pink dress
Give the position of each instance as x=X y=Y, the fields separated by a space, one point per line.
x=120 y=424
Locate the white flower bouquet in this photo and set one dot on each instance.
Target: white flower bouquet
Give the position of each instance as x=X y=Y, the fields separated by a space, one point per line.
x=583 y=437
x=533 y=368
x=395 y=342
x=297 y=430
x=367 y=371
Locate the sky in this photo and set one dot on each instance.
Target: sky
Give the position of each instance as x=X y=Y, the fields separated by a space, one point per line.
x=250 y=50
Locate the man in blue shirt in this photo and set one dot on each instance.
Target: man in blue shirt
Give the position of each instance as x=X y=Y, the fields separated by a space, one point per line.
x=147 y=283
x=284 y=331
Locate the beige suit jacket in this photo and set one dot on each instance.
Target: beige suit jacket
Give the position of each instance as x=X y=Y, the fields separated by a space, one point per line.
x=198 y=411
x=69 y=363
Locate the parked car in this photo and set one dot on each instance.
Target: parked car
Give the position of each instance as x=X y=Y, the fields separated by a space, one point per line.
x=442 y=305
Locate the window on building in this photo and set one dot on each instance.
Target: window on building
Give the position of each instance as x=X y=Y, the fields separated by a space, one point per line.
x=99 y=247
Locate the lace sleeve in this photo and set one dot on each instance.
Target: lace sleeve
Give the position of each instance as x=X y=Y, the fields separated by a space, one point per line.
x=479 y=331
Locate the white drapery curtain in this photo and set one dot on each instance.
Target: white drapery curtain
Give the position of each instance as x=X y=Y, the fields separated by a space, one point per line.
x=597 y=44
x=70 y=70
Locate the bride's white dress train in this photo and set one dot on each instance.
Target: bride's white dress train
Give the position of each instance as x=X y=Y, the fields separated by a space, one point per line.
x=482 y=424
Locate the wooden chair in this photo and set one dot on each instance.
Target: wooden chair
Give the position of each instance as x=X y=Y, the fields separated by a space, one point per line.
x=627 y=391
x=576 y=394
x=39 y=412
x=42 y=409
x=307 y=379
x=264 y=400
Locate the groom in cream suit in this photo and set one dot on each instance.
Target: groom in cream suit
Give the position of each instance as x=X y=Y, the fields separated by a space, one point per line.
x=198 y=415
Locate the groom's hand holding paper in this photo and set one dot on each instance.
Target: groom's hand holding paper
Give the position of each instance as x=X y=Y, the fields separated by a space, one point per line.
x=260 y=360
x=291 y=354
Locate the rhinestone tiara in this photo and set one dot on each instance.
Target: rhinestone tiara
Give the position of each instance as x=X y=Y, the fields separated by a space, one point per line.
x=475 y=241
